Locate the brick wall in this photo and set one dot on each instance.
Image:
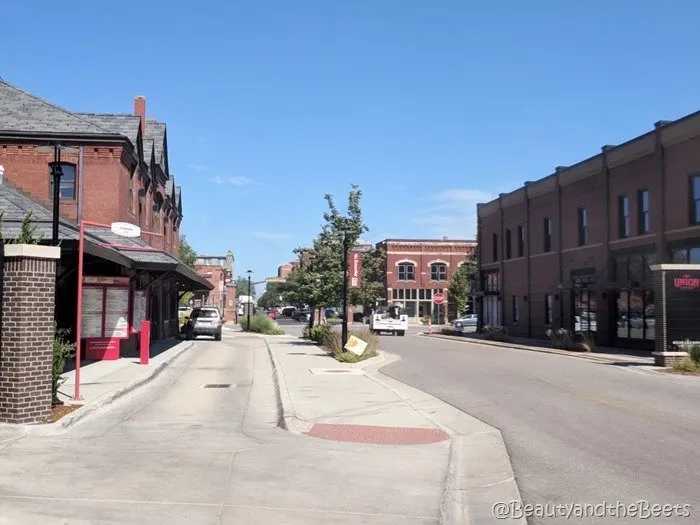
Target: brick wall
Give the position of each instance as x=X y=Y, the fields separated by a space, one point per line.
x=26 y=351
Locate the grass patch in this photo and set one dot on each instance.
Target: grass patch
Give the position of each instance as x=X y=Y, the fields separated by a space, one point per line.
x=334 y=321
x=332 y=343
x=262 y=324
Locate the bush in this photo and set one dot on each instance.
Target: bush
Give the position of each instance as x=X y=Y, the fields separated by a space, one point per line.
x=686 y=365
x=316 y=334
x=495 y=332
x=332 y=343
x=425 y=319
x=588 y=343
x=62 y=352
x=262 y=324
x=334 y=321
x=694 y=353
x=448 y=331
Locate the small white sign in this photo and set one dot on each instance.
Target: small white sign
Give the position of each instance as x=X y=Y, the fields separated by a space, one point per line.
x=356 y=345
x=126 y=229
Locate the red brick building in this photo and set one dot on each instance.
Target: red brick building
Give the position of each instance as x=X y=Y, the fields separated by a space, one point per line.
x=574 y=249
x=418 y=269
x=219 y=271
x=115 y=170
x=283 y=270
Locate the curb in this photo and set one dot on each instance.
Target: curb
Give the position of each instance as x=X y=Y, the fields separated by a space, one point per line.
x=590 y=356
x=93 y=406
x=479 y=472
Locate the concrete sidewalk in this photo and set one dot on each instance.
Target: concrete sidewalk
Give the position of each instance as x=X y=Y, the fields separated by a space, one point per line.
x=101 y=383
x=463 y=462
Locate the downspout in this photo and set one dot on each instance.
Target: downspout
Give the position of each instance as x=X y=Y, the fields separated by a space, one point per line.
x=502 y=313
x=80 y=184
x=606 y=241
x=560 y=239
x=660 y=227
x=527 y=255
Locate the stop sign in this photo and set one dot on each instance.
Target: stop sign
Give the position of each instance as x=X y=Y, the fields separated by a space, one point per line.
x=439 y=298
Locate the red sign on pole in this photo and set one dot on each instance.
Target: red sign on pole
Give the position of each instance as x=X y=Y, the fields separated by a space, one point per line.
x=355 y=270
x=439 y=298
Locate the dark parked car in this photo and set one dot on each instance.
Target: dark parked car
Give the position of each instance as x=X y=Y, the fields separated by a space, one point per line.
x=288 y=311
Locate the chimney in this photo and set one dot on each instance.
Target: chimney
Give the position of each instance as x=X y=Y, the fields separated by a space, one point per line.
x=140 y=111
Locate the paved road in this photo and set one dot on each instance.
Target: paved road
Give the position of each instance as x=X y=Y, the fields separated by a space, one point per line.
x=577 y=431
x=174 y=452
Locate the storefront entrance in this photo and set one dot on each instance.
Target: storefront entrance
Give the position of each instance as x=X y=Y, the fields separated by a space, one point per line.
x=634 y=317
x=584 y=313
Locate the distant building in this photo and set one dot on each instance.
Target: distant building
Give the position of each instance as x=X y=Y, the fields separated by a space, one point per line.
x=417 y=269
x=219 y=270
x=283 y=270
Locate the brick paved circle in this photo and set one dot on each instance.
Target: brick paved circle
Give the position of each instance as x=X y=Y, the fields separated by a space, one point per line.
x=377 y=435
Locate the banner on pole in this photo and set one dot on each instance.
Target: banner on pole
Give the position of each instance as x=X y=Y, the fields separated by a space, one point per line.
x=355 y=270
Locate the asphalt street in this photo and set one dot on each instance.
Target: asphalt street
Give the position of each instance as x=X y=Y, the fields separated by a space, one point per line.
x=578 y=432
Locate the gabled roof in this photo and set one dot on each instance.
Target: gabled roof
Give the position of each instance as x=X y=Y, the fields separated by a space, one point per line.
x=126 y=125
x=23 y=112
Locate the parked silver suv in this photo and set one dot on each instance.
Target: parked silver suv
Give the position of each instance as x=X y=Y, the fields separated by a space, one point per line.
x=206 y=321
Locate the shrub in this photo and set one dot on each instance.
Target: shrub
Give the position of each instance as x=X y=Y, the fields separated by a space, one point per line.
x=562 y=338
x=334 y=320
x=495 y=332
x=332 y=343
x=686 y=365
x=316 y=334
x=694 y=353
x=425 y=319
x=62 y=352
x=448 y=331
x=262 y=324
x=588 y=343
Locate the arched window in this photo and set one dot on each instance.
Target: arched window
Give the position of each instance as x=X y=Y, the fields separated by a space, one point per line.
x=407 y=271
x=438 y=272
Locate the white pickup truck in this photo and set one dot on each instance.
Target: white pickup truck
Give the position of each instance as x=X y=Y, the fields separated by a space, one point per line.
x=390 y=319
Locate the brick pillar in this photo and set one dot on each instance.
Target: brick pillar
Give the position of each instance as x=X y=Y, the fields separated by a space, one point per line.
x=26 y=349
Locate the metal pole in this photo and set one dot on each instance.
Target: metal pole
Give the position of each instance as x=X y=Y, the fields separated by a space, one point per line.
x=250 y=300
x=345 y=289
x=57 y=173
x=78 y=321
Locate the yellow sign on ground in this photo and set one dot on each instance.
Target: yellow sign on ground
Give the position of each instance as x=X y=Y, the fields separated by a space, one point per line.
x=356 y=345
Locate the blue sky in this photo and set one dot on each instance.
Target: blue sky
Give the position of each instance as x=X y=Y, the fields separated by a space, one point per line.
x=430 y=106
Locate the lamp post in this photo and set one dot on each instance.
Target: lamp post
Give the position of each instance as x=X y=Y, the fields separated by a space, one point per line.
x=56 y=174
x=250 y=297
x=345 y=284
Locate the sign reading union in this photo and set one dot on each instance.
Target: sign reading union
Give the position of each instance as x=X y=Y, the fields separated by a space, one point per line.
x=686 y=282
x=355 y=276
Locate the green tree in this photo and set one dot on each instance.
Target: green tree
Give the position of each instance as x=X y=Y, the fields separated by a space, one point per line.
x=187 y=253
x=27 y=232
x=271 y=297
x=462 y=283
x=242 y=287
x=318 y=279
x=373 y=275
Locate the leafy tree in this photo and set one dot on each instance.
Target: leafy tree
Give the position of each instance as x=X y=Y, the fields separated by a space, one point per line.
x=318 y=279
x=373 y=274
x=242 y=287
x=185 y=299
x=462 y=283
x=187 y=253
x=271 y=297
x=27 y=232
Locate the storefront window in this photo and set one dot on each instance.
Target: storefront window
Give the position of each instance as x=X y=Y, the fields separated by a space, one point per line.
x=635 y=314
x=622 y=317
x=585 y=307
x=649 y=309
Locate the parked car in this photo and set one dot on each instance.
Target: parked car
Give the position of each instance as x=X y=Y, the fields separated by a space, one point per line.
x=303 y=315
x=465 y=321
x=206 y=321
x=287 y=311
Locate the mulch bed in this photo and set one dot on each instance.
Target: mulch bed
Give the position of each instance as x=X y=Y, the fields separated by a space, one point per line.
x=58 y=411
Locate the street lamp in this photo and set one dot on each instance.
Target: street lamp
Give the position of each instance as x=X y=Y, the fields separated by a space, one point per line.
x=250 y=297
x=344 y=339
x=56 y=174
